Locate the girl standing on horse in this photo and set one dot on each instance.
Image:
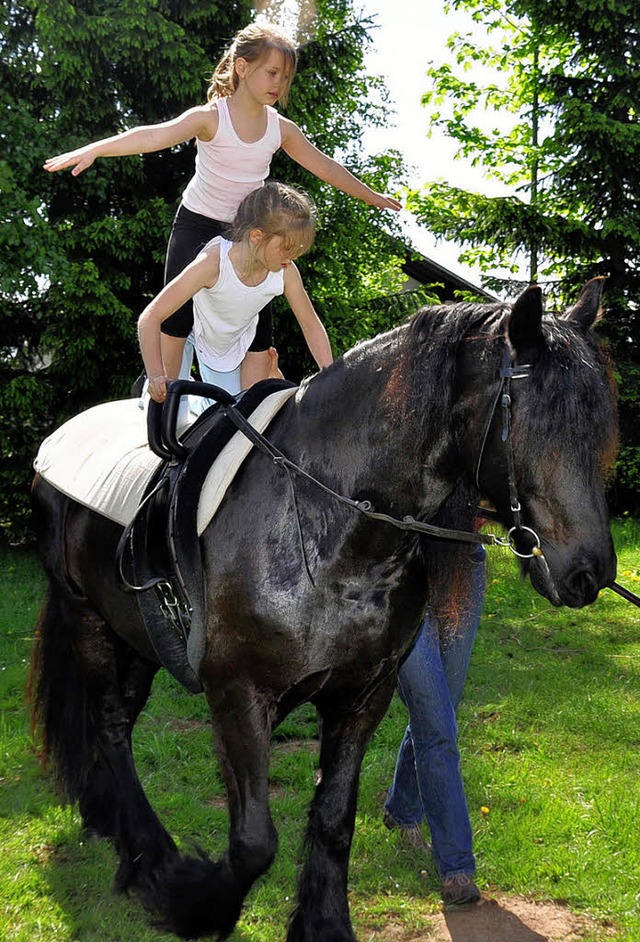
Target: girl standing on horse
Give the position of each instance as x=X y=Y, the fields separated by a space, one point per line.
x=230 y=282
x=237 y=132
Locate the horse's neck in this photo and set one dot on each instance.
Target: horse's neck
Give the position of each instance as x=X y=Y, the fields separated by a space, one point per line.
x=362 y=429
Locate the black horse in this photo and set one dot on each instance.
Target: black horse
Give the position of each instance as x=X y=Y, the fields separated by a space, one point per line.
x=308 y=599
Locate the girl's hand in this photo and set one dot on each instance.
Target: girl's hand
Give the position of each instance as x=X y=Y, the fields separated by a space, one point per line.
x=158 y=388
x=385 y=202
x=78 y=159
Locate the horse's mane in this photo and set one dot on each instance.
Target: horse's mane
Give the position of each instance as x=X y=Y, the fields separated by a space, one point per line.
x=445 y=326
x=429 y=352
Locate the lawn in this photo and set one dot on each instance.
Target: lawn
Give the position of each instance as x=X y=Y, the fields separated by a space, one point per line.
x=550 y=728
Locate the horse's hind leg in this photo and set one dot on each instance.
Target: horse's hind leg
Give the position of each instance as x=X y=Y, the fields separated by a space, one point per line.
x=135 y=676
x=87 y=688
x=322 y=914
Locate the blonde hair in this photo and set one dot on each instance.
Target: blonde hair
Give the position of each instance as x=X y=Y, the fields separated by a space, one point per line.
x=277 y=210
x=252 y=43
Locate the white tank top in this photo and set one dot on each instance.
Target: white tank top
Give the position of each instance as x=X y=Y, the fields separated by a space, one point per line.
x=227 y=168
x=225 y=316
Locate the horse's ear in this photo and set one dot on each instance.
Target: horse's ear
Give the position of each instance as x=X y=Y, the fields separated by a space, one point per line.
x=587 y=310
x=525 y=322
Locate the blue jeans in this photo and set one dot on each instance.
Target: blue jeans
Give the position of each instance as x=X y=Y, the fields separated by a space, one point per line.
x=427 y=782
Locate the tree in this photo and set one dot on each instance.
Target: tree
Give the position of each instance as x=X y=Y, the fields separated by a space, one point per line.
x=82 y=257
x=568 y=75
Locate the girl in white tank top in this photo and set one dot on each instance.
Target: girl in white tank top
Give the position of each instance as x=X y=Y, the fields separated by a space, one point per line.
x=229 y=283
x=237 y=132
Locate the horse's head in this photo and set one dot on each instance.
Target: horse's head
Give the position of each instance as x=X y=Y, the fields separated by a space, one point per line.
x=559 y=424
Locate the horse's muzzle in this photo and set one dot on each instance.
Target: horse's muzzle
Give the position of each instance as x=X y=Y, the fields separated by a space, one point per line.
x=542 y=580
x=578 y=585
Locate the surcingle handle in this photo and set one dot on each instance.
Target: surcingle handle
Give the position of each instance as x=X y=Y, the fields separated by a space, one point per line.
x=163 y=417
x=154 y=431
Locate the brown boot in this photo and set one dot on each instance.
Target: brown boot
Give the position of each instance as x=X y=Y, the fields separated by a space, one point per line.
x=410 y=835
x=459 y=890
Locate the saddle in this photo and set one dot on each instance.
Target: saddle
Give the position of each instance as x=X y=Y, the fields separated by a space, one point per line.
x=158 y=555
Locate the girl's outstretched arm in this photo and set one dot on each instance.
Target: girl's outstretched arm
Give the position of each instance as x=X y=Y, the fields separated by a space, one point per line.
x=202 y=272
x=311 y=325
x=199 y=122
x=300 y=149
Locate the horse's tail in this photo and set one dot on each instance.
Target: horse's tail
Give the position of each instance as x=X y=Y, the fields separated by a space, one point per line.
x=57 y=692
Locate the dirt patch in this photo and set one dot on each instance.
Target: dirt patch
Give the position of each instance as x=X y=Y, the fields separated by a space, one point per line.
x=296 y=745
x=502 y=919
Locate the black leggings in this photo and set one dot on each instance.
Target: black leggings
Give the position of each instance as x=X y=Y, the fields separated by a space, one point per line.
x=189 y=234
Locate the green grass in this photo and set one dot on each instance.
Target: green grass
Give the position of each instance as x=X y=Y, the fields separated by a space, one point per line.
x=549 y=729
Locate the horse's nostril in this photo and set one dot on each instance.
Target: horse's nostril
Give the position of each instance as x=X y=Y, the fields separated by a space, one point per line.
x=583 y=585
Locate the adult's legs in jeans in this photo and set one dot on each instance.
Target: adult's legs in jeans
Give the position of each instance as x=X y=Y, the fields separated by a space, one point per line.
x=427 y=781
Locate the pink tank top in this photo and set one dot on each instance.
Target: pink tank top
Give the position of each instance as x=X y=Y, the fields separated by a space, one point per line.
x=227 y=168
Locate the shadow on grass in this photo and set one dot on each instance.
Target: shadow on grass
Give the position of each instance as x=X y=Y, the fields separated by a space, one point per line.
x=78 y=871
x=489 y=922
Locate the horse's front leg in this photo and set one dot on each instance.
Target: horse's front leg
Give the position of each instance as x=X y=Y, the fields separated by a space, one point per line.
x=322 y=914
x=242 y=729
x=200 y=897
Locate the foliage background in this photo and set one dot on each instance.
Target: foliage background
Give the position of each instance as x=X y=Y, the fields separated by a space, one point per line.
x=81 y=257
x=568 y=73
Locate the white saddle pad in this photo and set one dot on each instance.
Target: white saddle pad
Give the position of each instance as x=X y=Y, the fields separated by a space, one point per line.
x=101 y=458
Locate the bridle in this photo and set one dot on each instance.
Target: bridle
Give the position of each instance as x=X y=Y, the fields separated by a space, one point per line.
x=509 y=371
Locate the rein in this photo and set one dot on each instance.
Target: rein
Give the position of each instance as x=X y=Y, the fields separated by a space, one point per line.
x=624 y=593
x=164 y=442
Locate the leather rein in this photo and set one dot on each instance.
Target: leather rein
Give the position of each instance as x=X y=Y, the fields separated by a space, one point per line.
x=164 y=442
